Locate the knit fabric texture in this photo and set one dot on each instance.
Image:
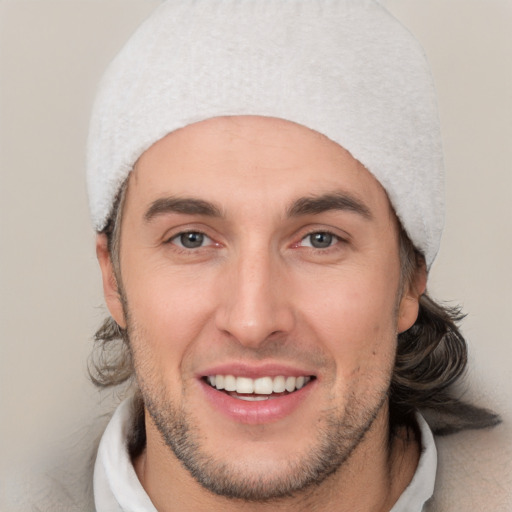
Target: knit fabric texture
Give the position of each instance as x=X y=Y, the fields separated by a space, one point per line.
x=344 y=68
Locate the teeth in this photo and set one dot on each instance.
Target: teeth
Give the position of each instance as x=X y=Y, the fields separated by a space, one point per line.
x=260 y=386
x=244 y=385
x=279 y=385
x=263 y=386
x=230 y=383
x=290 y=384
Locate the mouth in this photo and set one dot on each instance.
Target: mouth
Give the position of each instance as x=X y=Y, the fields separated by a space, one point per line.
x=259 y=389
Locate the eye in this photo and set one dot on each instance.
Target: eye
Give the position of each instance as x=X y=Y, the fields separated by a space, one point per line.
x=319 y=240
x=191 y=240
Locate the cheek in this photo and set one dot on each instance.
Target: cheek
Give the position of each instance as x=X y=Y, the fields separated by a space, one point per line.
x=355 y=318
x=170 y=310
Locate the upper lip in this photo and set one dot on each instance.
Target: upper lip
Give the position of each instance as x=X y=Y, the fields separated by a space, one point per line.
x=253 y=371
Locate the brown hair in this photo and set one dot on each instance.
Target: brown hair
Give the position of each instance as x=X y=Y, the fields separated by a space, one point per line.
x=431 y=356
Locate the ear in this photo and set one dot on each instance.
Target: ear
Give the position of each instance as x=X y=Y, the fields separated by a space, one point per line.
x=410 y=301
x=110 y=288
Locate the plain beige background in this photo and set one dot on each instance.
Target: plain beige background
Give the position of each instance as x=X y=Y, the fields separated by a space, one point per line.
x=52 y=53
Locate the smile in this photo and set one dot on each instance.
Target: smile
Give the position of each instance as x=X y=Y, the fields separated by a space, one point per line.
x=261 y=388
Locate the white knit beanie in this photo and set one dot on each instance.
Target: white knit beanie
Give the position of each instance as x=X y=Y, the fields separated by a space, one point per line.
x=345 y=68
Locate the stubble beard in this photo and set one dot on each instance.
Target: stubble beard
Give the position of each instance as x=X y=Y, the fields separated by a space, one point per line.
x=335 y=442
x=340 y=434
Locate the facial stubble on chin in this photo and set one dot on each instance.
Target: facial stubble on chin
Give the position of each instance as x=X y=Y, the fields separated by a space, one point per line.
x=340 y=434
x=335 y=442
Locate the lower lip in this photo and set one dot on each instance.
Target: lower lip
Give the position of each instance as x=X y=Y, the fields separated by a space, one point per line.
x=256 y=413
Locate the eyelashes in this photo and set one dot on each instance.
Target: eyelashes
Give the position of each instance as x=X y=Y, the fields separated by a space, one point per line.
x=319 y=240
x=191 y=240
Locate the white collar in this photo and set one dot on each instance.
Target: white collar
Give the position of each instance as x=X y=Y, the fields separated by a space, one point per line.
x=117 y=488
x=421 y=487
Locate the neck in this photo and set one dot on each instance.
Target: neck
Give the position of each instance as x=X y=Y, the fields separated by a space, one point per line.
x=371 y=480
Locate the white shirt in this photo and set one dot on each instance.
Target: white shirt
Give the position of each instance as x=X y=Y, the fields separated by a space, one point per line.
x=117 y=488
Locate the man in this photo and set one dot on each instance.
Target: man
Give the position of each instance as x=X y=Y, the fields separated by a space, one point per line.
x=266 y=181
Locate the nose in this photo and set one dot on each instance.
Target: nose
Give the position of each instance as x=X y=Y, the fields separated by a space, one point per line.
x=255 y=305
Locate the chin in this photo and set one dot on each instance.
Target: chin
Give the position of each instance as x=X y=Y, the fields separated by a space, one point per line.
x=257 y=470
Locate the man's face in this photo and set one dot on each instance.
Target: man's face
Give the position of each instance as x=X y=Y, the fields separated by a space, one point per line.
x=256 y=253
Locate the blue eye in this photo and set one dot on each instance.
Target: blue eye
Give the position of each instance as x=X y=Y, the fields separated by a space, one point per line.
x=319 y=240
x=191 y=240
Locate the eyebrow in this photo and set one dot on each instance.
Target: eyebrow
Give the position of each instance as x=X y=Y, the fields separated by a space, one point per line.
x=314 y=205
x=187 y=206
x=319 y=204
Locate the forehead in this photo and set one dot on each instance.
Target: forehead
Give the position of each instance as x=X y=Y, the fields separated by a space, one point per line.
x=251 y=161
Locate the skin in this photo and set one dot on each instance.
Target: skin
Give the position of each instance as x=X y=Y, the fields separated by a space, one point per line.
x=258 y=292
